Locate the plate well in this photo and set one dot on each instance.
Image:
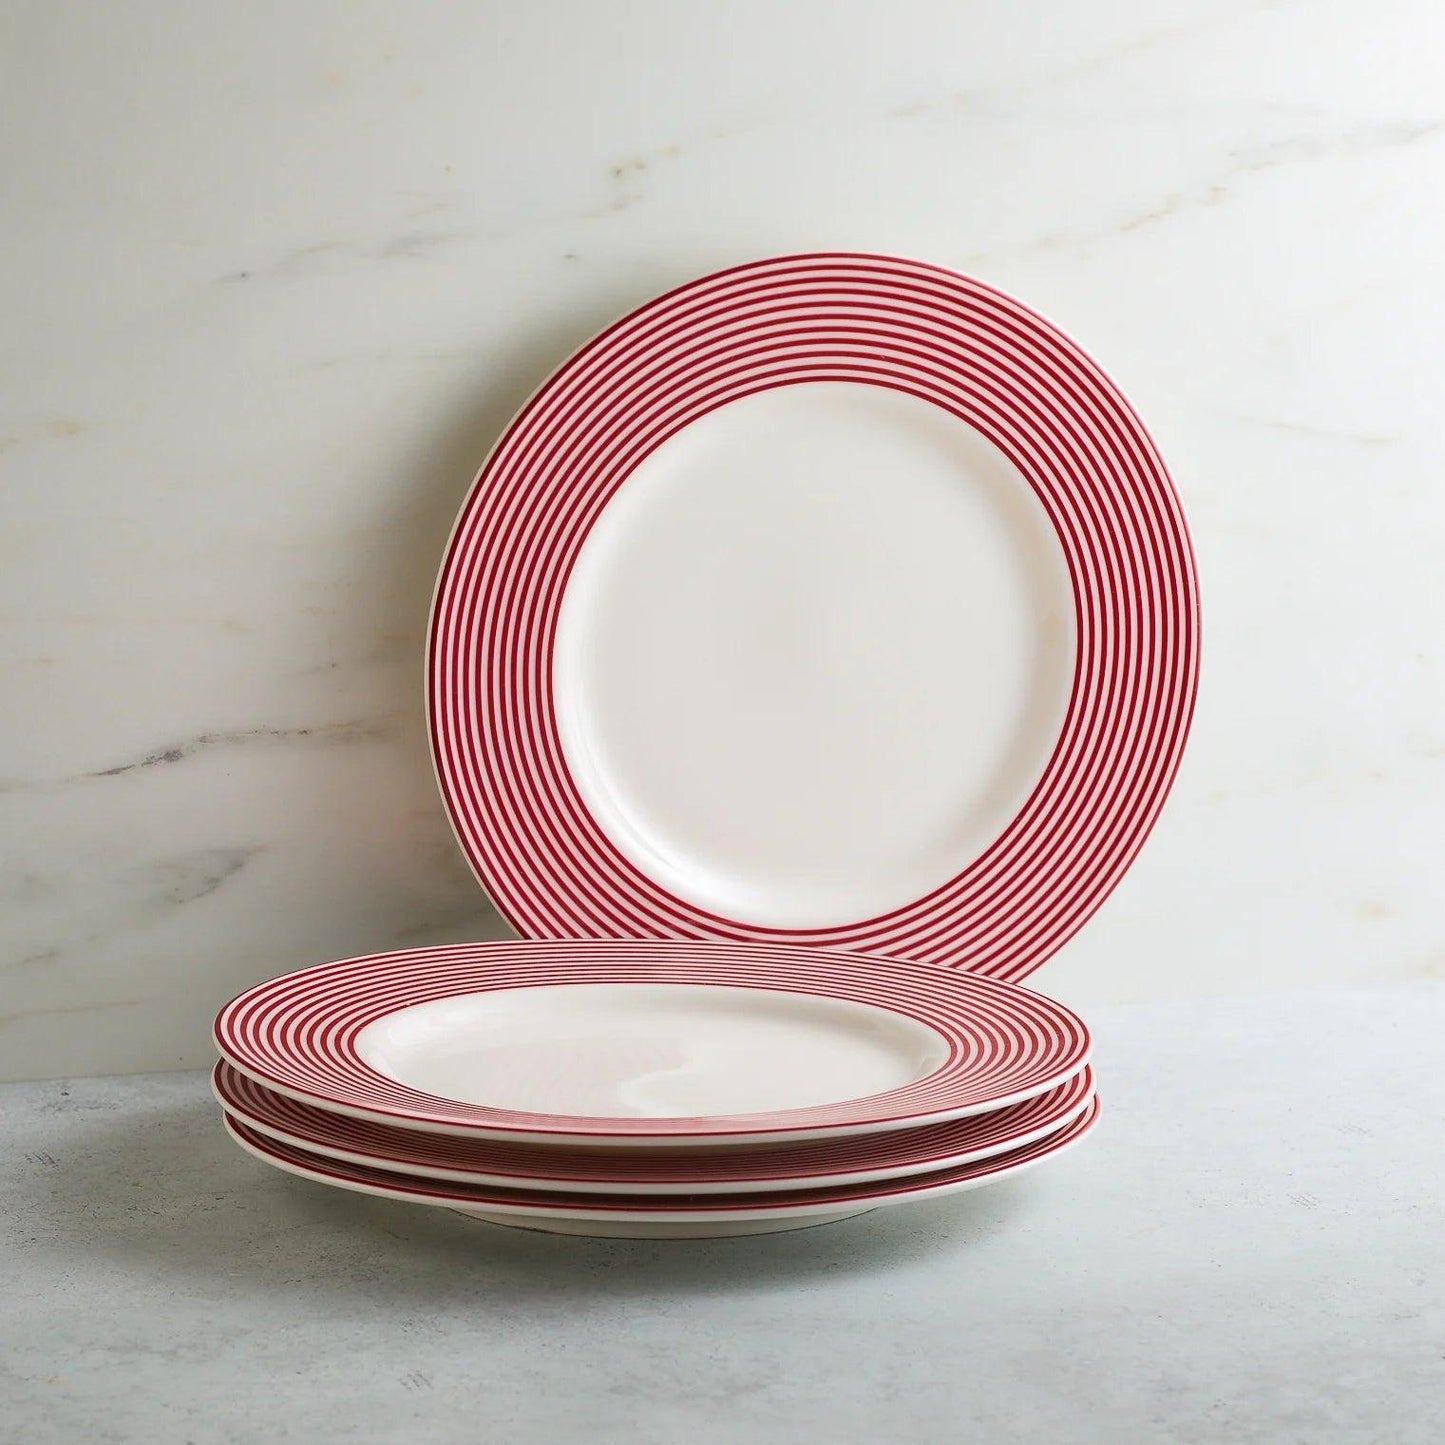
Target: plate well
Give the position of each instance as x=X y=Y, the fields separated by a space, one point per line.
x=649 y=1050
x=814 y=654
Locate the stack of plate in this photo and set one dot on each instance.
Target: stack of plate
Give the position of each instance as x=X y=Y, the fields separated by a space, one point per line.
x=810 y=658
x=675 y=1088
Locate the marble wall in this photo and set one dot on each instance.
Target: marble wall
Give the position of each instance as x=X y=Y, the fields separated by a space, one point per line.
x=276 y=274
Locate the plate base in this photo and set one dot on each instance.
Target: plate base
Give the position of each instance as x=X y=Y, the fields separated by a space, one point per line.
x=659 y=1229
x=649 y=1050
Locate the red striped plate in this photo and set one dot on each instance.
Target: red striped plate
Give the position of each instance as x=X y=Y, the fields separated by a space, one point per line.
x=861 y=1159
x=546 y=819
x=536 y=1208
x=988 y=1043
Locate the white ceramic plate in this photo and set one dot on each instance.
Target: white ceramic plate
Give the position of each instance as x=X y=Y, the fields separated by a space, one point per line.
x=811 y=1163
x=632 y=1043
x=831 y=599
x=648 y=1216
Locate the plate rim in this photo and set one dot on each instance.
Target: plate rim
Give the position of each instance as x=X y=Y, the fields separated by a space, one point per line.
x=1080 y=1085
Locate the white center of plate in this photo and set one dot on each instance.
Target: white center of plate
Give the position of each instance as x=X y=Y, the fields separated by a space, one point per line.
x=813 y=655
x=649 y=1050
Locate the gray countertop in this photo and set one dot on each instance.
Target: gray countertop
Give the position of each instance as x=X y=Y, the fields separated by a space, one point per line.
x=1249 y=1249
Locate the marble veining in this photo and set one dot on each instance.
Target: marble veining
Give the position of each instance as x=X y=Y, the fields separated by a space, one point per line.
x=274 y=283
x=1235 y=166
x=361 y=730
x=151 y=888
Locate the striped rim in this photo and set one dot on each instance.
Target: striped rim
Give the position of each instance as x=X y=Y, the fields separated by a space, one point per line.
x=679 y=1208
x=297 y=1034
x=856 y=1159
x=981 y=356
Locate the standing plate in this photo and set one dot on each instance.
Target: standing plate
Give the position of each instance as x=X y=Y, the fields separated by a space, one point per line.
x=833 y=599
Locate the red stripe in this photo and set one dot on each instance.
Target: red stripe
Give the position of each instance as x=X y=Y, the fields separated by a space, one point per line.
x=690 y=1207
x=775 y=1166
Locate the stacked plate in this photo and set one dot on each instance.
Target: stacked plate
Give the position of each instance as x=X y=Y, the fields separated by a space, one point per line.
x=650 y=1088
x=810 y=659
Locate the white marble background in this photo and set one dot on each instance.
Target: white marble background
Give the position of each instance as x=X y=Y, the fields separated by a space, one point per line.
x=274 y=275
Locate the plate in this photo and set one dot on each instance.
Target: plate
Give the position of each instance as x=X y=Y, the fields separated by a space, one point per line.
x=596 y=1041
x=833 y=599
x=861 y=1159
x=642 y=1217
